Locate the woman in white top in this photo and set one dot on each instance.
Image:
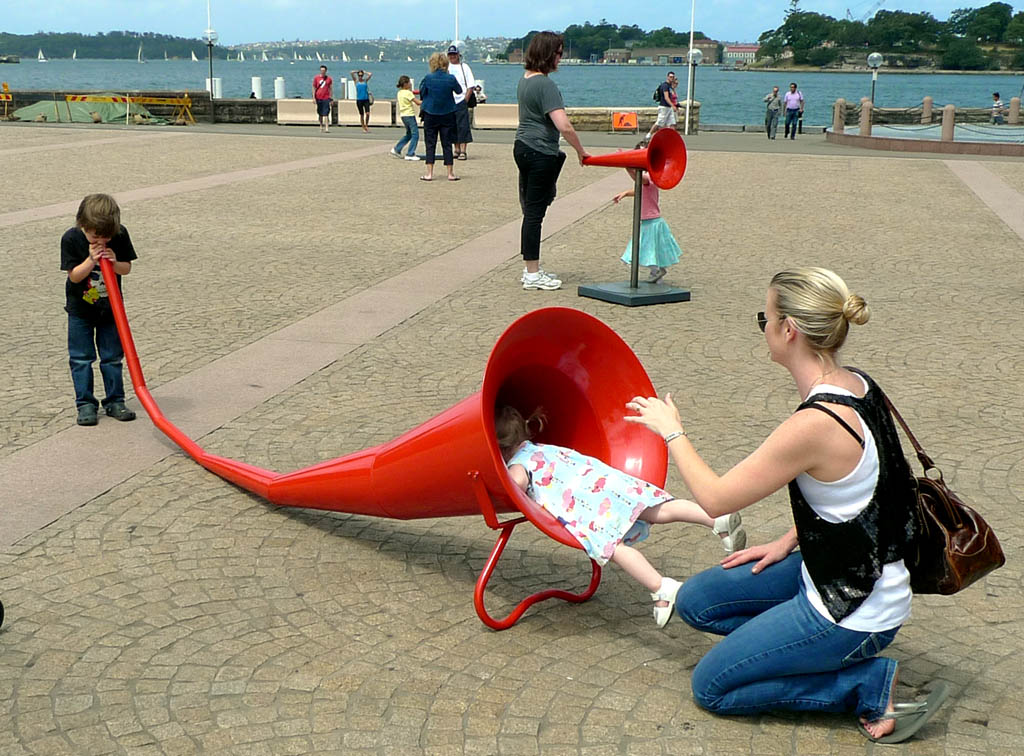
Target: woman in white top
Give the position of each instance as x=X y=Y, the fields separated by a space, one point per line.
x=803 y=630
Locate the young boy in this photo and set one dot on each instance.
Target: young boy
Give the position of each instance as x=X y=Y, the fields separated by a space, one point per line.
x=97 y=233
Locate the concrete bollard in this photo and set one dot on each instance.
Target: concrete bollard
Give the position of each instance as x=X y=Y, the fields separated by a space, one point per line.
x=839 y=116
x=279 y=92
x=257 y=87
x=948 y=120
x=1013 y=116
x=926 y=109
x=865 y=117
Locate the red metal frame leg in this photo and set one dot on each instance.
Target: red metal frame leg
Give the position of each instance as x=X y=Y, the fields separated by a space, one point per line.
x=511 y=619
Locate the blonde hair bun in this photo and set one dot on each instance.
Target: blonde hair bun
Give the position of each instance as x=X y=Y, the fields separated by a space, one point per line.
x=855 y=310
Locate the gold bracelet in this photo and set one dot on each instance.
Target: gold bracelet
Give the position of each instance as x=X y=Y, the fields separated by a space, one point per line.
x=673 y=436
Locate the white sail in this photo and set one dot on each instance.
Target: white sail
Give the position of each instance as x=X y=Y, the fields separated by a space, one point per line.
x=74 y=54
x=241 y=56
x=295 y=56
x=194 y=58
x=40 y=57
x=344 y=57
x=165 y=55
x=318 y=55
x=380 y=57
x=264 y=58
x=140 y=58
x=408 y=58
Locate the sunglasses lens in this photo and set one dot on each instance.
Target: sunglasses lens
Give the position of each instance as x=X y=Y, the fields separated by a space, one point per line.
x=762 y=321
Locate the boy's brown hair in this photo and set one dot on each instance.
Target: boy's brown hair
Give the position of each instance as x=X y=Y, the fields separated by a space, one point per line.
x=100 y=214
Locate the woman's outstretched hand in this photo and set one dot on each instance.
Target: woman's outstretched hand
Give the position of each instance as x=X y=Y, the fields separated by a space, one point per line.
x=764 y=556
x=660 y=416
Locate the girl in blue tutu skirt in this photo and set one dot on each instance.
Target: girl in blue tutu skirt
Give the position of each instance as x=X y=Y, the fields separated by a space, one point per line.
x=658 y=248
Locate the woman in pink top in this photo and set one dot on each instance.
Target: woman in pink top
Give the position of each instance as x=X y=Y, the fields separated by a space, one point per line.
x=658 y=248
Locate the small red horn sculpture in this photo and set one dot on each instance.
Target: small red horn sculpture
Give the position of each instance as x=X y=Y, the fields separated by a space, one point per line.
x=564 y=360
x=664 y=158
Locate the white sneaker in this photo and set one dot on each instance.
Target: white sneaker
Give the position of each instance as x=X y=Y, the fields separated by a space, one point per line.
x=540 y=280
x=412 y=157
x=541 y=271
x=395 y=153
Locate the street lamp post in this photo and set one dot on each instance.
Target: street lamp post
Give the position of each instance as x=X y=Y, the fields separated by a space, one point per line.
x=874 y=62
x=211 y=39
x=693 y=59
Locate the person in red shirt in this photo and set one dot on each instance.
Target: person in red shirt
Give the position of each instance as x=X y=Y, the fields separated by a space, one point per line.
x=322 y=84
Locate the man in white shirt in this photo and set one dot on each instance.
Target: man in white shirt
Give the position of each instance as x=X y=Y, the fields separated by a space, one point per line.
x=793 y=101
x=464 y=74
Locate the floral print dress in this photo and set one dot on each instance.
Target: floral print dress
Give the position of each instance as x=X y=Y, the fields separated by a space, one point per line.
x=595 y=502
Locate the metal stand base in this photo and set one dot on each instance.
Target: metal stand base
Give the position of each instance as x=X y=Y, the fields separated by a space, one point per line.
x=643 y=294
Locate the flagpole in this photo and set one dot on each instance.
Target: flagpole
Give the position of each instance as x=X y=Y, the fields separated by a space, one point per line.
x=689 y=69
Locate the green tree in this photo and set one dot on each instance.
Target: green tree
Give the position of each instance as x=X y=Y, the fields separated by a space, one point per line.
x=822 y=56
x=1015 y=30
x=989 y=23
x=964 y=55
x=959 y=20
x=849 y=33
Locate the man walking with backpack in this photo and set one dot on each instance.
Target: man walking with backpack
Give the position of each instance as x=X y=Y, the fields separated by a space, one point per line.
x=668 y=103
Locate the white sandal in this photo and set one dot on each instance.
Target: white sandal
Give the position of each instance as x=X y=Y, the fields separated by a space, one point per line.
x=667 y=592
x=731 y=526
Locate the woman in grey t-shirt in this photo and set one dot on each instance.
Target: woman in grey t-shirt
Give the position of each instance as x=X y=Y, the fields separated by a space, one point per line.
x=542 y=120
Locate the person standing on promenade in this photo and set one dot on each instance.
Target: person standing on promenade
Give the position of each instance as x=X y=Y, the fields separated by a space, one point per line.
x=362 y=79
x=407 y=103
x=773 y=106
x=438 y=112
x=998 y=108
x=322 y=84
x=542 y=119
x=803 y=629
x=668 y=104
x=97 y=233
x=464 y=74
x=794 y=104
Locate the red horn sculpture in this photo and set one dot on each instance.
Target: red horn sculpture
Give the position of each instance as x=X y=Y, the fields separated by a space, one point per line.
x=568 y=362
x=664 y=159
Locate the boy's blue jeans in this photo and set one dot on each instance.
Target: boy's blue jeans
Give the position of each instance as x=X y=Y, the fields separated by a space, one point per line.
x=84 y=338
x=778 y=651
x=412 y=135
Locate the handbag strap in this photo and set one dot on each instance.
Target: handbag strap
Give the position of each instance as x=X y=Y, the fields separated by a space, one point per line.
x=926 y=462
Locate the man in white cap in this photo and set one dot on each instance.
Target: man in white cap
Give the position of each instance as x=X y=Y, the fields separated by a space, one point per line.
x=464 y=74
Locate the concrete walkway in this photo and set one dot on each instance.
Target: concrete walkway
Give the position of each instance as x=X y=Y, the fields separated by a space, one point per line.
x=298 y=297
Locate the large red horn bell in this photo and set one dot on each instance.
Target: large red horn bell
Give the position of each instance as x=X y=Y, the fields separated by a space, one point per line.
x=664 y=159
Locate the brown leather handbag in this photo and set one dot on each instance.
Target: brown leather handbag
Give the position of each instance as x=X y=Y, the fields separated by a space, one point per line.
x=956 y=546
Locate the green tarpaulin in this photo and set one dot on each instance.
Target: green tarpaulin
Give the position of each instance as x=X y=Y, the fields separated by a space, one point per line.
x=60 y=111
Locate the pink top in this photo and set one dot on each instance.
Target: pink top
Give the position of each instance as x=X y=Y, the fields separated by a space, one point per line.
x=649 y=207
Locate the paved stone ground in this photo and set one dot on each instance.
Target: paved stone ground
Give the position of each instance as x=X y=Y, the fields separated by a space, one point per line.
x=175 y=614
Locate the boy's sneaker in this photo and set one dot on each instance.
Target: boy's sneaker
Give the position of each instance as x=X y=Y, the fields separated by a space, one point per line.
x=87 y=415
x=395 y=153
x=118 y=411
x=540 y=280
x=412 y=157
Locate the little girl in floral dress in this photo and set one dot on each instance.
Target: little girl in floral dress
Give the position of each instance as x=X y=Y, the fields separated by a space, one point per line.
x=605 y=509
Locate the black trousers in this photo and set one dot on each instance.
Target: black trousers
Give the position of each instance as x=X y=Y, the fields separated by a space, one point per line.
x=538 y=177
x=443 y=125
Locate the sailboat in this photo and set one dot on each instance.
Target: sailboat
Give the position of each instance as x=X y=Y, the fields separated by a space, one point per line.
x=344 y=57
x=165 y=55
x=40 y=57
x=74 y=54
x=318 y=56
x=141 y=59
x=264 y=58
x=380 y=58
x=194 y=58
x=408 y=59
x=241 y=56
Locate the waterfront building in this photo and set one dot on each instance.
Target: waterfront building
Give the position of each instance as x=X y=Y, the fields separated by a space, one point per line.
x=739 y=54
x=663 y=56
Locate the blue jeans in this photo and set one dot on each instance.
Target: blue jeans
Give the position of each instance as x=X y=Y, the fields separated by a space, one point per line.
x=792 y=116
x=412 y=135
x=778 y=651
x=84 y=338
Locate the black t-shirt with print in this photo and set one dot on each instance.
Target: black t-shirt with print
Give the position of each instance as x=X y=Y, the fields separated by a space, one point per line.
x=88 y=298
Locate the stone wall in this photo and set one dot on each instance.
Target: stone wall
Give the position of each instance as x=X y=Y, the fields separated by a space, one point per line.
x=600 y=119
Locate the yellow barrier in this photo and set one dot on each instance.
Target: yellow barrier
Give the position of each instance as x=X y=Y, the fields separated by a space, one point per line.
x=182 y=111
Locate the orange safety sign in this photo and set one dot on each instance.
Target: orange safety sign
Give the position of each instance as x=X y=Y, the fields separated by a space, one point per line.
x=182 y=110
x=6 y=97
x=95 y=98
x=624 y=122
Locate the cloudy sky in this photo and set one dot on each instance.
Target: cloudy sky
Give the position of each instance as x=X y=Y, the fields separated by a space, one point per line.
x=240 y=21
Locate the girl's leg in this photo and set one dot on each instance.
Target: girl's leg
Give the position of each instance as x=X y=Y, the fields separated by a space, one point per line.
x=637 y=567
x=677 y=510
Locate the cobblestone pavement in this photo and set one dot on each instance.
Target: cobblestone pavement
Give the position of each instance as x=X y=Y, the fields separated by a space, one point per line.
x=176 y=614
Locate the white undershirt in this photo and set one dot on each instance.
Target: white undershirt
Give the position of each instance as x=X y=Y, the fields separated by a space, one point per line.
x=888 y=604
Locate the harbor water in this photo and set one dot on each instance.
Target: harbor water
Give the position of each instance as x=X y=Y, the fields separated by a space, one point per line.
x=726 y=97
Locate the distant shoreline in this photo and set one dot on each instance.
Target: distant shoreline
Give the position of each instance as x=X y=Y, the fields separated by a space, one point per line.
x=881 y=71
